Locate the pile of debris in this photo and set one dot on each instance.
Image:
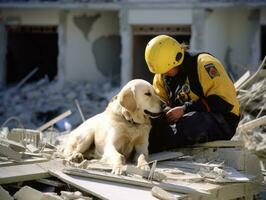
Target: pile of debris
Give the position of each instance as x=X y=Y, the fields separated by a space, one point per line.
x=251 y=95
x=33 y=104
x=30 y=168
x=215 y=170
x=27 y=193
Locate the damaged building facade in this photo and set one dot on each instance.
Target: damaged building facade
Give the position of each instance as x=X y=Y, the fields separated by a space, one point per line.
x=100 y=40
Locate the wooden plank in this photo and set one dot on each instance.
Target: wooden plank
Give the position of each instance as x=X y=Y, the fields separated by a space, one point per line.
x=80 y=111
x=53 y=121
x=179 y=188
x=165 y=155
x=242 y=79
x=255 y=76
x=25 y=79
x=221 y=143
x=252 y=124
x=106 y=189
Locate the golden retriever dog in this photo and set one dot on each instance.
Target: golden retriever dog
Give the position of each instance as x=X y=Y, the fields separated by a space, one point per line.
x=123 y=128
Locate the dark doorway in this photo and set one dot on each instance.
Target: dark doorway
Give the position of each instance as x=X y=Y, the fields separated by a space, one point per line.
x=30 y=47
x=263 y=42
x=142 y=35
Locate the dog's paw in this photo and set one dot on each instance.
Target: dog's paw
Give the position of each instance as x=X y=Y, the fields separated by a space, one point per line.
x=144 y=166
x=119 y=169
x=76 y=157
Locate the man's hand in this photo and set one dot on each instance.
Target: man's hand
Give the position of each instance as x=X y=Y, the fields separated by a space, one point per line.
x=174 y=114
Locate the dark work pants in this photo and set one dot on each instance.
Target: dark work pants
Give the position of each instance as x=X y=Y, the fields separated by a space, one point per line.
x=192 y=128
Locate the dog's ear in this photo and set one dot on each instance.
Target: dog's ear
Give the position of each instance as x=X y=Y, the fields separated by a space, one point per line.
x=127 y=100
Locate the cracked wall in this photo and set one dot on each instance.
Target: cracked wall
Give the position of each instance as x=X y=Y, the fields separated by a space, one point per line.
x=106 y=51
x=88 y=40
x=230 y=34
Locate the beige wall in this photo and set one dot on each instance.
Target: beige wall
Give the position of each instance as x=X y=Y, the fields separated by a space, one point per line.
x=160 y=16
x=229 y=35
x=78 y=58
x=241 y=39
x=30 y=17
x=80 y=61
x=215 y=37
x=222 y=29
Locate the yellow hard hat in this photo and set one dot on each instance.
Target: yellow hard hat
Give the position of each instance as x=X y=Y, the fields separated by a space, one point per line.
x=162 y=53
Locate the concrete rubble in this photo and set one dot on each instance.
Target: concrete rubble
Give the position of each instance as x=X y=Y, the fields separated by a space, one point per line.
x=35 y=103
x=251 y=95
x=31 y=169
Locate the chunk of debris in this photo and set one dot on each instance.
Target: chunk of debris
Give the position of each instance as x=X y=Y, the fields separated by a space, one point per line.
x=5 y=194
x=25 y=136
x=157 y=176
x=11 y=149
x=162 y=194
x=28 y=193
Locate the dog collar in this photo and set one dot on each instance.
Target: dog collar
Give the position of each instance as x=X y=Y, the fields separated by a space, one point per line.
x=130 y=121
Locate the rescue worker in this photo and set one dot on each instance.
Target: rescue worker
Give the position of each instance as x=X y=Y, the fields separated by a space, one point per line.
x=199 y=98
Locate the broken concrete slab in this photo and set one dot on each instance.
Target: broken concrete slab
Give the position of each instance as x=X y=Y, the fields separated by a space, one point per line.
x=164 y=195
x=10 y=153
x=11 y=149
x=48 y=196
x=28 y=193
x=239 y=158
x=13 y=174
x=5 y=194
x=18 y=173
x=173 y=186
x=12 y=144
x=242 y=160
x=106 y=189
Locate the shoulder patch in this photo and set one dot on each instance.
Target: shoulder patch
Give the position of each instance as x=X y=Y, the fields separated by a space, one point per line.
x=212 y=71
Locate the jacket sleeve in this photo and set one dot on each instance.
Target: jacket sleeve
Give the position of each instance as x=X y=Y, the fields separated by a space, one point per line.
x=159 y=87
x=218 y=89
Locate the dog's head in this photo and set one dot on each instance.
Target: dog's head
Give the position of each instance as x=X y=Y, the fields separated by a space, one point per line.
x=138 y=98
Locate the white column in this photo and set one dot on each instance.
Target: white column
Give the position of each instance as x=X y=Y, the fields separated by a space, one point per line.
x=255 y=39
x=61 y=64
x=197 y=29
x=126 y=46
x=3 y=43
